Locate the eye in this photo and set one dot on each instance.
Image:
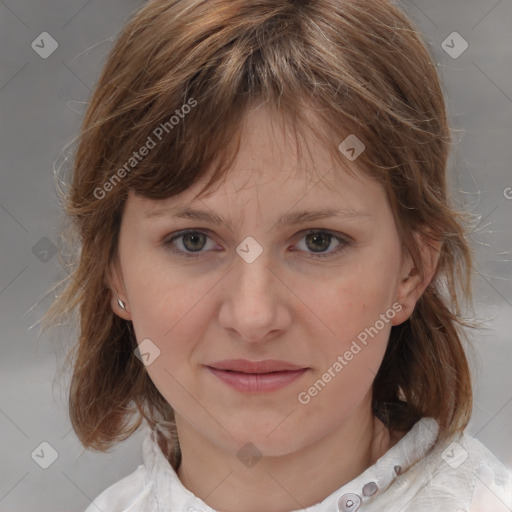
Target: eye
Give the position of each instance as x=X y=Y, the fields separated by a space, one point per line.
x=319 y=240
x=193 y=241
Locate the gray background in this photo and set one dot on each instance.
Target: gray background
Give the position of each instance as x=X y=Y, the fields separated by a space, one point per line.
x=42 y=102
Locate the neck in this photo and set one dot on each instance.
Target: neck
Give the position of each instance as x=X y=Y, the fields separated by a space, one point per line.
x=281 y=483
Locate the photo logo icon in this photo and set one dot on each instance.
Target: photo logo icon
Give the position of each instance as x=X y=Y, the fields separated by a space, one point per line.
x=454 y=45
x=249 y=249
x=147 y=352
x=44 y=250
x=44 y=455
x=44 y=45
x=352 y=147
x=455 y=455
x=249 y=455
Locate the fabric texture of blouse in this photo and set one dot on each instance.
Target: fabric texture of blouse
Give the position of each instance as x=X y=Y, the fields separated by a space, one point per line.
x=422 y=472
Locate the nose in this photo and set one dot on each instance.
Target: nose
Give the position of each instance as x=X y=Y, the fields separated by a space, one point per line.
x=254 y=305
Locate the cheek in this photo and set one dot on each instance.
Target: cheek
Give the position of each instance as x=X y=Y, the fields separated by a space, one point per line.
x=355 y=299
x=169 y=308
x=356 y=318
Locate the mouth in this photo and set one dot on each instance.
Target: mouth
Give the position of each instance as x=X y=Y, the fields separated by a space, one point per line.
x=256 y=376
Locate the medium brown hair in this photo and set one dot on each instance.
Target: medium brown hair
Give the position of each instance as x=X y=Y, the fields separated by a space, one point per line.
x=363 y=68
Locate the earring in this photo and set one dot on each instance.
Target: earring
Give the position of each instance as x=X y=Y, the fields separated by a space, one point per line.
x=121 y=303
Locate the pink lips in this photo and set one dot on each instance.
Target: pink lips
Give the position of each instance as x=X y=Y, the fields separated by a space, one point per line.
x=256 y=376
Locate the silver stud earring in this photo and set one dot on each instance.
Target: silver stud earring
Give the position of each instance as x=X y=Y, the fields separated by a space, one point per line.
x=121 y=303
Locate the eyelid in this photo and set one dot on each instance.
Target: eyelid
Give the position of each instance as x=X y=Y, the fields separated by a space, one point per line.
x=344 y=242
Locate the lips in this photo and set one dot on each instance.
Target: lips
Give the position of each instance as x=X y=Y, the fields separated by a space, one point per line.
x=245 y=366
x=256 y=376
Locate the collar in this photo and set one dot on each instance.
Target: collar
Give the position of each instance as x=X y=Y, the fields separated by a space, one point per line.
x=173 y=495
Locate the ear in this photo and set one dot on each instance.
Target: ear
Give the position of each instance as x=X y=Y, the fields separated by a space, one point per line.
x=116 y=286
x=410 y=286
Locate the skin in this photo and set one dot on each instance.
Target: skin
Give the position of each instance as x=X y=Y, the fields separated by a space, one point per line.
x=285 y=305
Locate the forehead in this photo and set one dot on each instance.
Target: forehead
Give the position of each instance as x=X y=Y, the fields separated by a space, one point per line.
x=273 y=146
x=266 y=204
x=275 y=169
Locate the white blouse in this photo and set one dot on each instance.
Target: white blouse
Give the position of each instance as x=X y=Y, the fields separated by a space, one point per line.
x=421 y=473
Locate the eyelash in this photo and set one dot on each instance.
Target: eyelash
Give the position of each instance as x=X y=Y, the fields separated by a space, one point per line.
x=168 y=243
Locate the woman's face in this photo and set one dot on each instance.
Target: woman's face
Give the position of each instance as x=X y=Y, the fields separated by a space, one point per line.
x=254 y=288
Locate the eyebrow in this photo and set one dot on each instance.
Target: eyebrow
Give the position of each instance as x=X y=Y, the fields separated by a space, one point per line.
x=297 y=217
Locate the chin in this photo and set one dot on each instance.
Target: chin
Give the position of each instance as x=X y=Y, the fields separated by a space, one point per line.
x=274 y=441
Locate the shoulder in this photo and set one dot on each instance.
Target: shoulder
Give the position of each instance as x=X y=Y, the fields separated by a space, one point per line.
x=491 y=479
x=463 y=467
x=143 y=489
x=448 y=472
x=126 y=495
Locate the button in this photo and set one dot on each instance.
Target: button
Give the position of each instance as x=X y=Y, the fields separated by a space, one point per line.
x=397 y=469
x=370 y=489
x=349 y=503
